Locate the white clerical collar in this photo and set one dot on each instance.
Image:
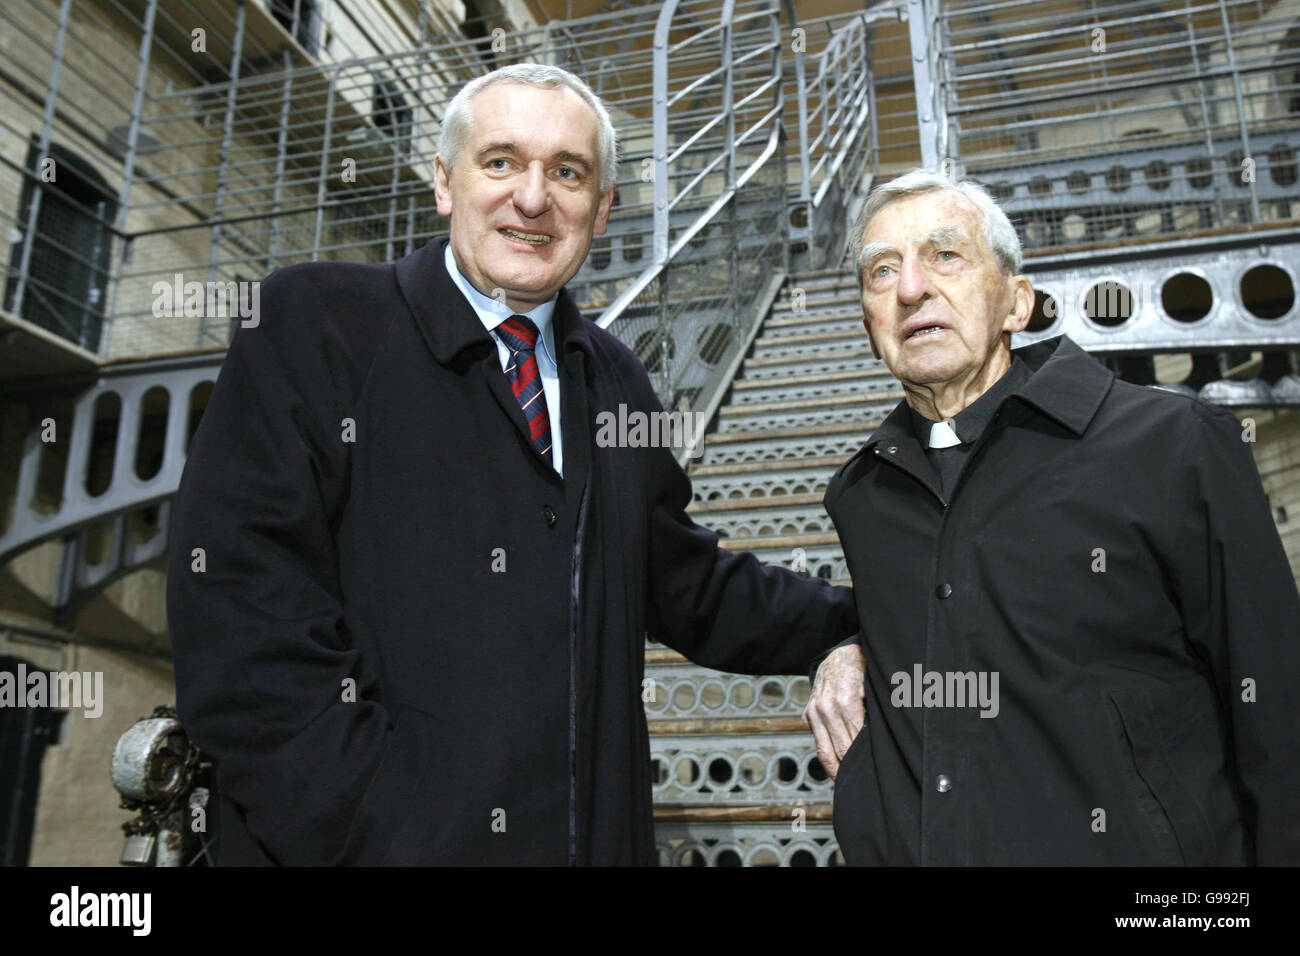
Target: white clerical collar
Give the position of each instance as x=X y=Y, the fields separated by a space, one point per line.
x=943 y=435
x=492 y=312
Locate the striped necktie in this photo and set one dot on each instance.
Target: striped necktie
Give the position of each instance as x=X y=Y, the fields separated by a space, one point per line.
x=520 y=336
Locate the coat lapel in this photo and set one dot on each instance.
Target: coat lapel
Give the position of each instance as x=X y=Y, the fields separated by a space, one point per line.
x=449 y=326
x=896 y=442
x=576 y=402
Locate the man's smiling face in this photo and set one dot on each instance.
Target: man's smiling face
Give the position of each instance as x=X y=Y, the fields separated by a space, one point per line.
x=524 y=193
x=936 y=305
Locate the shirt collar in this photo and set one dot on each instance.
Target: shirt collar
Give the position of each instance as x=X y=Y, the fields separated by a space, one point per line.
x=492 y=313
x=1066 y=384
x=971 y=421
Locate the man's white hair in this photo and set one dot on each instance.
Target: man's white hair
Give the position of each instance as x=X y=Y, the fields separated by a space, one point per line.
x=458 y=120
x=998 y=231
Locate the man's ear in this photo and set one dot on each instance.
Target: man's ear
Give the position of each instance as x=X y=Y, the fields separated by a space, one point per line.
x=442 y=185
x=602 y=211
x=1022 y=305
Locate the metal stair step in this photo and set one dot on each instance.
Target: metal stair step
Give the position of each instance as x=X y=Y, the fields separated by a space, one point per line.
x=762 y=364
x=785 y=433
x=816 y=273
x=739 y=842
x=784 y=724
x=808 y=404
x=756 y=517
x=780 y=542
x=835 y=281
x=744 y=504
x=816 y=387
x=821 y=553
x=758 y=481
x=811 y=378
x=765 y=767
x=829 y=462
x=688 y=695
x=793 y=320
x=842 y=296
x=818 y=810
x=778 y=347
x=782 y=445
x=861 y=411
x=811 y=338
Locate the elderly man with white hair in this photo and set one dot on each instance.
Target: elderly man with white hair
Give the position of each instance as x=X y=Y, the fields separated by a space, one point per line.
x=1081 y=632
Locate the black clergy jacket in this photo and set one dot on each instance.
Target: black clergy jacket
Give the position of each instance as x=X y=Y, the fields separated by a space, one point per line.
x=1108 y=554
x=400 y=635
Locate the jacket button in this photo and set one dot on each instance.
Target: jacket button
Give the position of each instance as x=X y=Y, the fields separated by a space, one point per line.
x=942 y=783
x=893 y=449
x=944 y=591
x=549 y=514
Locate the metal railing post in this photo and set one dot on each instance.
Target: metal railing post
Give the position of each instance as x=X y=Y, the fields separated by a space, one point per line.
x=281 y=147
x=660 y=135
x=918 y=35
x=128 y=172
x=1205 y=112
x=324 y=161
x=805 y=160
x=214 y=248
x=1241 y=109
x=38 y=189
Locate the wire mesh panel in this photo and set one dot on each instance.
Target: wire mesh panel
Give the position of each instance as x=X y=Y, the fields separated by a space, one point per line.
x=1103 y=121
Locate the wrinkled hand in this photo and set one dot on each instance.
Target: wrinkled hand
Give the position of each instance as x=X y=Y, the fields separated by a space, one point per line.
x=836 y=709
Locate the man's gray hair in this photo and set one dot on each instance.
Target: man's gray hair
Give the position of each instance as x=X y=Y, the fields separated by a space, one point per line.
x=457 y=121
x=998 y=231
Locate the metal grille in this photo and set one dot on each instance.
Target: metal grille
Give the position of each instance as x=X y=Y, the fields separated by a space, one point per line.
x=1104 y=121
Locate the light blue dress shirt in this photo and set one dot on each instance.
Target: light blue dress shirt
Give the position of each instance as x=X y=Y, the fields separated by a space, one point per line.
x=492 y=313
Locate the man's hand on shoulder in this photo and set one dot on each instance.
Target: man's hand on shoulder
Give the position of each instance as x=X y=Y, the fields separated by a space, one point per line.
x=836 y=709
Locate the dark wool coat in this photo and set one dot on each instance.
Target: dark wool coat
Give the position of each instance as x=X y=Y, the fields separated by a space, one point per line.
x=1109 y=553
x=411 y=642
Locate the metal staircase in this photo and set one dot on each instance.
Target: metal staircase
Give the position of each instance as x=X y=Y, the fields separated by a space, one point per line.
x=736 y=775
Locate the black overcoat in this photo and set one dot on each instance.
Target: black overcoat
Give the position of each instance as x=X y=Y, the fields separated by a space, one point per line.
x=1109 y=554
x=401 y=636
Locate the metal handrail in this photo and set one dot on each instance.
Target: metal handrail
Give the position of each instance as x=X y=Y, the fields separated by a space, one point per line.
x=843 y=126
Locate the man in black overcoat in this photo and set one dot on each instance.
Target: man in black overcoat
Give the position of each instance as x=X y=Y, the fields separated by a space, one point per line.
x=409 y=589
x=1082 y=634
